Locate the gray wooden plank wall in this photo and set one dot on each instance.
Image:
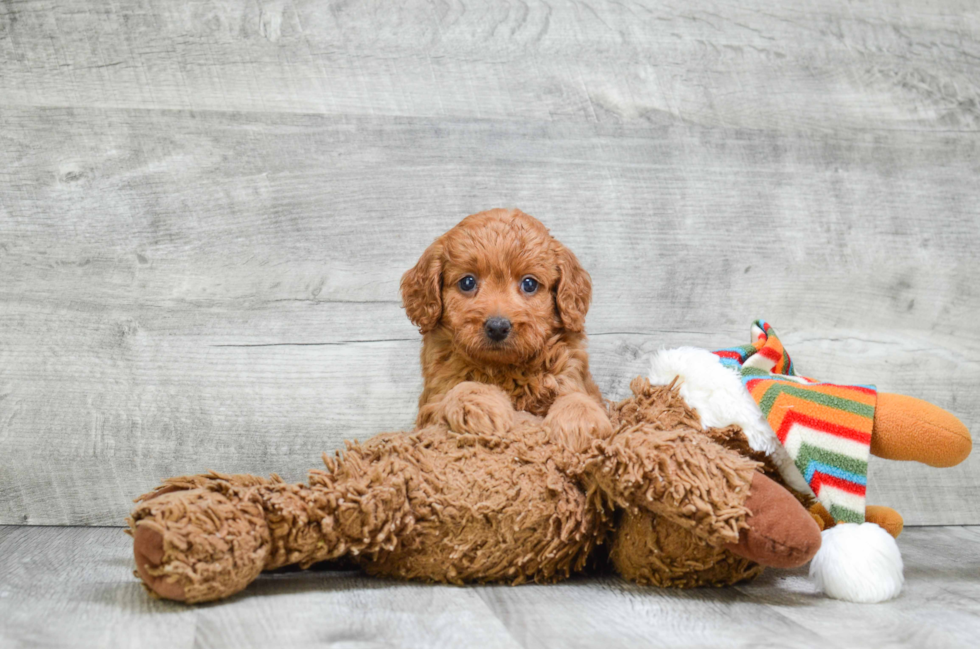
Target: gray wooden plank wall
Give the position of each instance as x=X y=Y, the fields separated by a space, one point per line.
x=205 y=208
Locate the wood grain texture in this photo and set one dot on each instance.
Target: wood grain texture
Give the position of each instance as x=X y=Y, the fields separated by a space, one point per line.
x=937 y=608
x=821 y=67
x=205 y=209
x=74 y=587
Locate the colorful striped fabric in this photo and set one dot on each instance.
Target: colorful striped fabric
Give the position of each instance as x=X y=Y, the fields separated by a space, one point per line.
x=825 y=427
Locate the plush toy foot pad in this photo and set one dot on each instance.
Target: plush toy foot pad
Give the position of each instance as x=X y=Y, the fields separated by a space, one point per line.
x=148 y=552
x=197 y=545
x=781 y=532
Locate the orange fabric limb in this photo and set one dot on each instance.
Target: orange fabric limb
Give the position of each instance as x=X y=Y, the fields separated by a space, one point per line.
x=906 y=428
x=886 y=518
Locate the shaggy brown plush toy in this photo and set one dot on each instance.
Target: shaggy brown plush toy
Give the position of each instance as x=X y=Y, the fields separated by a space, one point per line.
x=515 y=470
x=485 y=493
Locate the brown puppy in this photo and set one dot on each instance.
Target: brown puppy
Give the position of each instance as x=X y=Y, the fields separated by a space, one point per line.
x=500 y=302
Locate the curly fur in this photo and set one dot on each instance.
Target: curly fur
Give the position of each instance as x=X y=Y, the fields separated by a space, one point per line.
x=482 y=494
x=544 y=358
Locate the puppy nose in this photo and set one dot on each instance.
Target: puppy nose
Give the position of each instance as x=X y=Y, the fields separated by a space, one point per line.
x=497 y=328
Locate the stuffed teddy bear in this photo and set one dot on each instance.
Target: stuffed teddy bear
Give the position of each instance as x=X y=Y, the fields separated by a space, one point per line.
x=696 y=486
x=483 y=493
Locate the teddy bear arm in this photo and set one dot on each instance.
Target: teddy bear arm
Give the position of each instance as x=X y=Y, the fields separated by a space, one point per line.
x=678 y=474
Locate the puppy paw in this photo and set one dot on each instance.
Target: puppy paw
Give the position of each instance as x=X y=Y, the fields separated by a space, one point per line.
x=477 y=409
x=576 y=419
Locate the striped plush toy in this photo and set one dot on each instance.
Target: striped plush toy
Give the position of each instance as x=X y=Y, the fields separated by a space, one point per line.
x=820 y=436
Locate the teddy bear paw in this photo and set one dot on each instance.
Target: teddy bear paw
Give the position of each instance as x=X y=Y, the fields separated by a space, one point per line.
x=198 y=545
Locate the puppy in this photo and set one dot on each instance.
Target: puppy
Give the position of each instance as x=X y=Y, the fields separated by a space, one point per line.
x=501 y=305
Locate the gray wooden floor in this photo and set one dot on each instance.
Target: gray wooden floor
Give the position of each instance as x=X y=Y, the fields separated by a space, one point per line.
x=73 y=587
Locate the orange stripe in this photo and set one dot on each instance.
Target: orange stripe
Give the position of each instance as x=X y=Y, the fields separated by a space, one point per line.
x=785 y=403
x=841 y=391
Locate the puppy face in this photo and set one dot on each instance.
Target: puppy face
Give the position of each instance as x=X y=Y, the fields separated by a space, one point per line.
x=499 y=285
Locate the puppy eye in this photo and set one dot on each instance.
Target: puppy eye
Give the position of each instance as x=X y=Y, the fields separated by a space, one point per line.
x=467 y=284
x=529 y=285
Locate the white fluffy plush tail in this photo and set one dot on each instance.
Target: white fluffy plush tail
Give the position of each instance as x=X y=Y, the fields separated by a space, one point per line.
x=858 y=563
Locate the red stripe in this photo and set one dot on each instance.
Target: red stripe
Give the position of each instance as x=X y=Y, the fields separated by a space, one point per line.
x=729 y=354
x=837 y=430
x=771 y=354
x=820 y=479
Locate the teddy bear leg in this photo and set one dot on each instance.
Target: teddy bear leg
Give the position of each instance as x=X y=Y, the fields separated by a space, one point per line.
x=715 y=493
x=906 y=428
x=654 y=551
x=198 y=544
x=779 y=531
x=201 y=538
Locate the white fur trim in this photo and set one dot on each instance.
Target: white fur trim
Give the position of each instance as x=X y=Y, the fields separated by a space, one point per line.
x=718 y=395
x=858 y=563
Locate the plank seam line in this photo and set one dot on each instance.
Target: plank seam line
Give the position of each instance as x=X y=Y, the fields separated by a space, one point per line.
x=338 y=343
x=393 y=340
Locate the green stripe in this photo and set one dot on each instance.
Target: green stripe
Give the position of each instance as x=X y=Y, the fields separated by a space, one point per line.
x=809 y=452
x=846 y=515
x=837 y=403
x=746 y=350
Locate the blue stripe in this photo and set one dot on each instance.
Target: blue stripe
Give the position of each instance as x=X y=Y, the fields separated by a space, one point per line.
x=740 y=350
x=834 y=471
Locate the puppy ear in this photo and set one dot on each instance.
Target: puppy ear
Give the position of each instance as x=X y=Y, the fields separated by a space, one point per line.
x=574 y=290
x=422 y=289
